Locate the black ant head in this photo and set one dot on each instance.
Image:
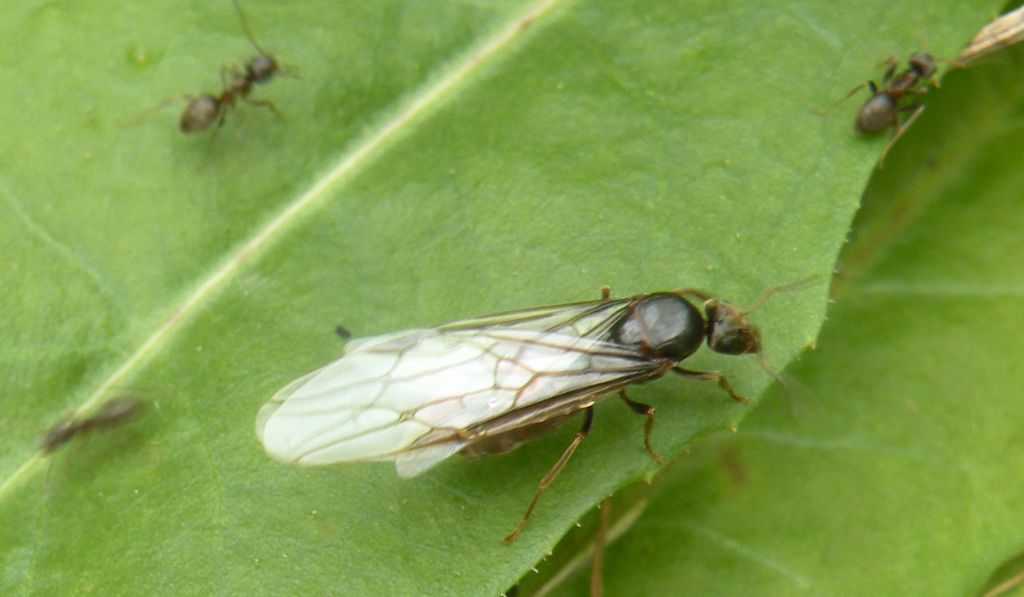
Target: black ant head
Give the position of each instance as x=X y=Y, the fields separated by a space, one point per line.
x=923 y=64
x=728 y=330
x=261 y=68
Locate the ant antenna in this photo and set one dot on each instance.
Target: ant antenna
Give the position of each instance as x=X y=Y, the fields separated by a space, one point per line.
x=245 y=27
x=791 y=398
x=761 y=358
x=769 y=292
x=142 y=116
x=775 y=375
x=822 y=111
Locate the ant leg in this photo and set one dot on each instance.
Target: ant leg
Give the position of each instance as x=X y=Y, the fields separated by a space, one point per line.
x=648 y=411
x=208 y=150
x=229 y=69
x=891 y=71
x=550 y=476
x=151 y=111
x=822 y=111
x=245 y=27
x=289 y=70
x=900 y=129
x=266 y=104
x=711 y=376
x=915 y=108
x=767 y=293
x=596 y=578
x=870 y=85
x=701 y=294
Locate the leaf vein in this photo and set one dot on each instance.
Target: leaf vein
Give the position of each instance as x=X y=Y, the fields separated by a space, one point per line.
x=55 y=244
x=740 y=549
x=420 y=104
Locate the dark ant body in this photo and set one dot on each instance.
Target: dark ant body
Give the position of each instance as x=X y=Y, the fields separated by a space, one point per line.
x=204 y=110
x=113 y=413
x=882 y=109
x=668 y=328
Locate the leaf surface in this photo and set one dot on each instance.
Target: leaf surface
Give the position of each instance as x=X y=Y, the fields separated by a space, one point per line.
x=437 y=161
x=902 y=473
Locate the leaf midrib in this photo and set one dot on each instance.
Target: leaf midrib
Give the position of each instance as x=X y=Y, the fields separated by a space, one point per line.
x=417 y=106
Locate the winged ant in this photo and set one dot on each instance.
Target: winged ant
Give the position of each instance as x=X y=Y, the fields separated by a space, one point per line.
x=485 y=385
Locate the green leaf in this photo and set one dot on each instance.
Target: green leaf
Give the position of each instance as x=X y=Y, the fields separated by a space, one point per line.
x=437 y=161
x=902 y=473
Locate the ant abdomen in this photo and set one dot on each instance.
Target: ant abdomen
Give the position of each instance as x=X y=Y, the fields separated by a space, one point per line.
x=877 y=114
x=200 y=113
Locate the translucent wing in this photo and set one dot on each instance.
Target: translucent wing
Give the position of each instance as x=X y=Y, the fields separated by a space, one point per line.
x=589 y=319
x=416 y=396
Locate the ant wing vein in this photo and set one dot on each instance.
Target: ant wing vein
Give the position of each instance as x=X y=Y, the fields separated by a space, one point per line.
x=590 y=319
x=419 y=396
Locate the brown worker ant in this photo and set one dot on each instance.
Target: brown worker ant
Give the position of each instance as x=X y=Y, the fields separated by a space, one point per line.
x=204 y=110
x=882 y=110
